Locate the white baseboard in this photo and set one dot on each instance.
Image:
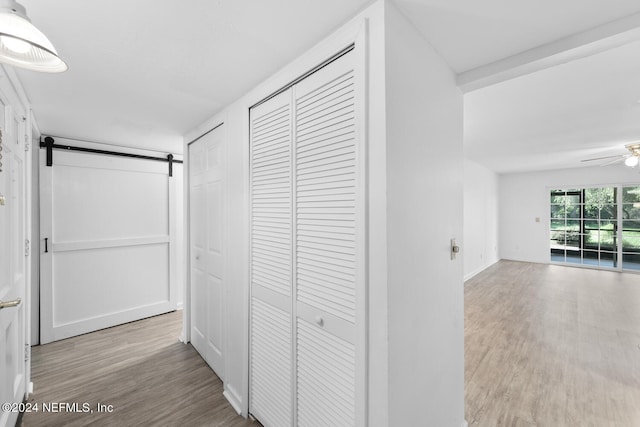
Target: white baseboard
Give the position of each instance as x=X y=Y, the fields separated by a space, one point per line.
x=479 y=270
x=102 y=321
x=233 y=399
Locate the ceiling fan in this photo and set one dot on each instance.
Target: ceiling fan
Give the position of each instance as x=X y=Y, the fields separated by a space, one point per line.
x=632 y=159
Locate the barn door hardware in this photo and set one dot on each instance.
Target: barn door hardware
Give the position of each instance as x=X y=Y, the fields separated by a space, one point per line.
x=49 y=144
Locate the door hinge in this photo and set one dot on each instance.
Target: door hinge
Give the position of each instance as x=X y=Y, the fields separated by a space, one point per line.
x=27 y=352
x=27 y=247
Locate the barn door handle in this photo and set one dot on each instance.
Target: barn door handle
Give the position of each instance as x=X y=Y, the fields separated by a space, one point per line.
x=6 y=304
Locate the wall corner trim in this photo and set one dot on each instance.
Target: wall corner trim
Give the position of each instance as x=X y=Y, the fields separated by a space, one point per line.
x=233 y=399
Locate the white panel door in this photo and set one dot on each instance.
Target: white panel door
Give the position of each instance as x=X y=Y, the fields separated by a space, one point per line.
x=12 y=268
x=206 y=192
x=307 y=246
x=105 y=242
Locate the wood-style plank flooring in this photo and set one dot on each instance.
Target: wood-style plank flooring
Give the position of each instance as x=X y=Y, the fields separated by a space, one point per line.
x=552 y=346
x=141 y=369
x=545 y=345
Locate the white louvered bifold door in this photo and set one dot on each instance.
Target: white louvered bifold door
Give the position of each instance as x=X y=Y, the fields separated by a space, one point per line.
x=326 y=185
x=307 y=261
x=271 y=258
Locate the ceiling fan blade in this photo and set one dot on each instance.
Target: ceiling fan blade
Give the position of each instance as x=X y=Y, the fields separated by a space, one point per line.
x=614 y=161
x=603 y=158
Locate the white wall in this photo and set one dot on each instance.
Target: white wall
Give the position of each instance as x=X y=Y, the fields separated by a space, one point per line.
x=415 y=119
x=525 y=197
x=235 y=117
x=480 y=244
x=424 y=211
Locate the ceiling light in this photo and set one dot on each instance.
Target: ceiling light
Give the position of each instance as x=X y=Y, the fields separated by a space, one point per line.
x=22 y=44
x=631 y=161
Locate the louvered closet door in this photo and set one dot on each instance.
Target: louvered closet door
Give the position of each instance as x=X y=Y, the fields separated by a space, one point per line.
x=271 y=259
x=306 y=246
x=327 y=232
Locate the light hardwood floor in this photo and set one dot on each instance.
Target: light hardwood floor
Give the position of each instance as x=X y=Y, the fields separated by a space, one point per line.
x=545 y=346
x=140 y=368
x=552 y=346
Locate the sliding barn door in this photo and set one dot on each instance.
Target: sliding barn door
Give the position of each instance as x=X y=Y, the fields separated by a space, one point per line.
x=307 y=284
x=206 y=214
x=105 y=229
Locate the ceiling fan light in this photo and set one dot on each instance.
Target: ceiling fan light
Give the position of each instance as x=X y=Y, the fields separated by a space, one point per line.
x=22 y=44
x=631 y=161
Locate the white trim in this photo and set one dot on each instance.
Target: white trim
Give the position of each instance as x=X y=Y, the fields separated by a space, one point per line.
x=46 y=227
x=479 y=270
x=360 y=61
x=233 y=398
x=65 y=330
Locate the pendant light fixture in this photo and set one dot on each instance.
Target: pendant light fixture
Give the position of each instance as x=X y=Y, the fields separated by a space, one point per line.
x=22 y=44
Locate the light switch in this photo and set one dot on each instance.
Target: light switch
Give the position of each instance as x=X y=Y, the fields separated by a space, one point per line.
x=537 y=219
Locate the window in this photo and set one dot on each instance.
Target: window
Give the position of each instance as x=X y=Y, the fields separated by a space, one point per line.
x=631 y=228
x=588 y=226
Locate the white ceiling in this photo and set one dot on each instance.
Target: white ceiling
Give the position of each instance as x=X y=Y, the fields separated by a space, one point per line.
x=144 y=72
x=556 y=117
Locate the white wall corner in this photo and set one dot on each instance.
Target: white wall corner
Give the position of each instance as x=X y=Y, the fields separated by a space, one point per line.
x=474 y=273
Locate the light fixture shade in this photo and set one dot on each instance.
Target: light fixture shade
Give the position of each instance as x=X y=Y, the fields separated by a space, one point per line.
x=631 y=161
x=22 y=44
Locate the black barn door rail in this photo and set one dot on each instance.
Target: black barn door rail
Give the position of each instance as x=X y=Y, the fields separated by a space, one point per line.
x=49 y=144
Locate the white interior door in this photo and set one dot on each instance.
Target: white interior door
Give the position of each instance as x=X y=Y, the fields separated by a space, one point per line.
x=105 y=241
x=307 y=246
x=207 y=217
x=12 y=268
x=329 y=247
x=271 y=385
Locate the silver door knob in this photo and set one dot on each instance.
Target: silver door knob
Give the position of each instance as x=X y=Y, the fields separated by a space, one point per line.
x=455 y=249
x=6 y=304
